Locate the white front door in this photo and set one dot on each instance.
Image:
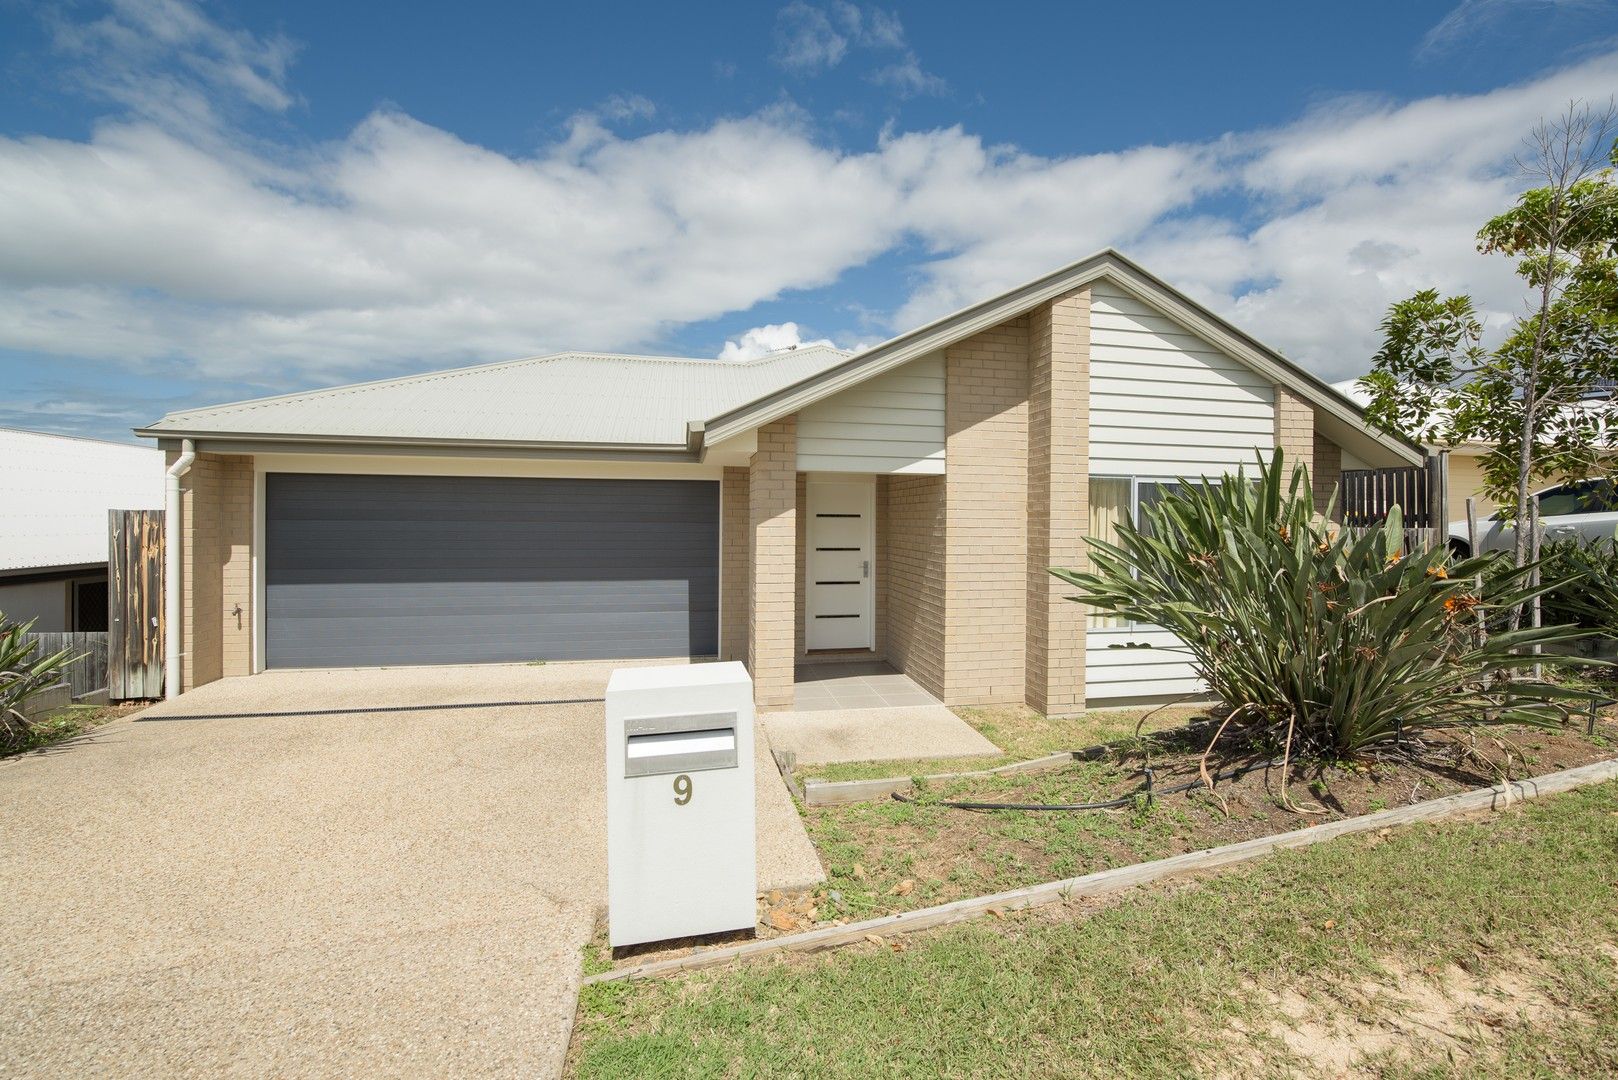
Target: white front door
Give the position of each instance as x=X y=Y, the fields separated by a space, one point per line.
x=840 y=542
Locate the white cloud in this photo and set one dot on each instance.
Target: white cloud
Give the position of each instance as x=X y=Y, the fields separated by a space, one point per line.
x=1471 y=18
x=167 y=60
x=906 y=78
x=806 y=40
x=763 y=340
x=402 y=246
x=811 y=39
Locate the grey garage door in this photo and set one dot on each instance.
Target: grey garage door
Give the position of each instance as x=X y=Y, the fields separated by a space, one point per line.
x=377 y=570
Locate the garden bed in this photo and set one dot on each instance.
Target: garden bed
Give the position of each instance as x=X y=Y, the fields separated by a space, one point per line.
x=887 y=855
x=66 y=723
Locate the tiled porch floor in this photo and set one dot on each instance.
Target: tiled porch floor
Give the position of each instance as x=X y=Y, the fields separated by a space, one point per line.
x=863 y=684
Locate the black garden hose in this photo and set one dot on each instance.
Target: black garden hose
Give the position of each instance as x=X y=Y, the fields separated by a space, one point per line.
x=1149 y=789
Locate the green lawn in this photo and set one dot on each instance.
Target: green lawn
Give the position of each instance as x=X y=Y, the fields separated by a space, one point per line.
x=1022 y=734
x=1513 y=918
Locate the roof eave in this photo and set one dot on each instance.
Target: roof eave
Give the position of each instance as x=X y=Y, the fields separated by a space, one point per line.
x=261 y=442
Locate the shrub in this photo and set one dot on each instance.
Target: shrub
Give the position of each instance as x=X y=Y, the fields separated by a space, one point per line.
x=1583 y=576
x=23 y=675
x=1327 y=639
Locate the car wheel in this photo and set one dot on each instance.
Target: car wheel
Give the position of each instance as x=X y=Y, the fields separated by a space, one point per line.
x=1459 y=549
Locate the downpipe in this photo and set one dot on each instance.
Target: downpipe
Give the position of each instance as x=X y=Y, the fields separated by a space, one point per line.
x=171 y=569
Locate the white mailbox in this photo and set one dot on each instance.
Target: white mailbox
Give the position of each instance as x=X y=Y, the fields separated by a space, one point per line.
x=680 y=841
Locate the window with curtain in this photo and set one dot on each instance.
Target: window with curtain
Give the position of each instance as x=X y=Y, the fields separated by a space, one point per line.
x=1111 y=502
x=1115 y=499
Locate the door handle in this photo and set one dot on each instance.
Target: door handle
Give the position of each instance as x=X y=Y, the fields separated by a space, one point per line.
x=865 y=568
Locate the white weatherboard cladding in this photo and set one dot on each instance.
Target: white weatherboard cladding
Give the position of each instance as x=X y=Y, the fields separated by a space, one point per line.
x=893 y=423
x=1163 y=670
x=1166 y=403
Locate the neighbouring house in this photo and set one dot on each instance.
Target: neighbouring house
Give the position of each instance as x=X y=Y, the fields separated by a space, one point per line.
x=1465 y=464
x=55 y=491
x=902 y=503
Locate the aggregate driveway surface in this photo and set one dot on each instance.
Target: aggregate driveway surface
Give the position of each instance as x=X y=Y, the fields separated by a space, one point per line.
x=318 y=873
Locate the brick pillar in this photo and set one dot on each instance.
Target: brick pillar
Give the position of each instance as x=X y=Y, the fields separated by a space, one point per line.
x=733 y=564
x=235 y=488
x=773 y=537
x=199 y=574
x=1294 y=431
x=216 y=552
x=1058 y=499
x=1327 y=474
x=986 y=516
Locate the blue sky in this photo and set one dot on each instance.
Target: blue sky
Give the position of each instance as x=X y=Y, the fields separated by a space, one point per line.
x=208 y=202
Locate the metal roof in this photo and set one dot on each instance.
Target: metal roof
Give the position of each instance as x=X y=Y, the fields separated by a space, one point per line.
x=573 y=399
x=55 y=491
x=610 y=405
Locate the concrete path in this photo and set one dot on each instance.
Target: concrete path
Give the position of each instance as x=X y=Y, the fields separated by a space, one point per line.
x=379 y=872
x=822 y=736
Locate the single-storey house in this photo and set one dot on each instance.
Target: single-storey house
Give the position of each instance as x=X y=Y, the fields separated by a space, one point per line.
x=55 y=491
x=901 y=503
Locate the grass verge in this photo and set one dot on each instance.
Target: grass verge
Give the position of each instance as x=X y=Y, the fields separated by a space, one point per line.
x=1282 y=968
x=1021 y=734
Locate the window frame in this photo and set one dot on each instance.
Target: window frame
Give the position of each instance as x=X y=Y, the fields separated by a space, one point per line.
x=1130 y=626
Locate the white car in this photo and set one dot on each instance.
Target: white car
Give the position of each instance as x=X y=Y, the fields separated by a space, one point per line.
x=1586 y=510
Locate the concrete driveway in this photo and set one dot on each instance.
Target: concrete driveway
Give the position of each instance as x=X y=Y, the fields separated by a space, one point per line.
x=318 y=873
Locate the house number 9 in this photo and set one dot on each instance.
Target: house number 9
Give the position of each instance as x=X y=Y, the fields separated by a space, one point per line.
x=682 y=790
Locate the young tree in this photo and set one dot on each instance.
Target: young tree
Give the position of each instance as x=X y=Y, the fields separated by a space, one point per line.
x=1546 y=397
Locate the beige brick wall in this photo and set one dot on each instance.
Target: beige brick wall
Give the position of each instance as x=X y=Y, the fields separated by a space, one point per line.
x=236 y=565
x=913 y=568
x=1295 y=429
x=216 y=569
x=1058 y=499
x=1327 y=474
x=733 y=564
x=986 y=516
x=773 y=524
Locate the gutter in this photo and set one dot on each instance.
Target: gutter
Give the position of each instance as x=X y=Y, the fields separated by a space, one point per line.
x=171 y=569
x=235 y=442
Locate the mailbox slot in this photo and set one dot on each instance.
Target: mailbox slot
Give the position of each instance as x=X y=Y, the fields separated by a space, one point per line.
x=666 y=745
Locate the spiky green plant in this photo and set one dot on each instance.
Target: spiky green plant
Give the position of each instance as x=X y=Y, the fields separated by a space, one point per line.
x=1333 y=640
x=1583 y=575
x=23 y=675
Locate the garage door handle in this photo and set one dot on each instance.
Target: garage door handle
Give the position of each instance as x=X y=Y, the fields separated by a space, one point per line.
x=865 y=568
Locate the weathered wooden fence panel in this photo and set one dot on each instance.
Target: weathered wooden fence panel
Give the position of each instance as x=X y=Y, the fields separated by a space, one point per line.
x=1368 y=495
x=135 y=602
x=89 y=672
